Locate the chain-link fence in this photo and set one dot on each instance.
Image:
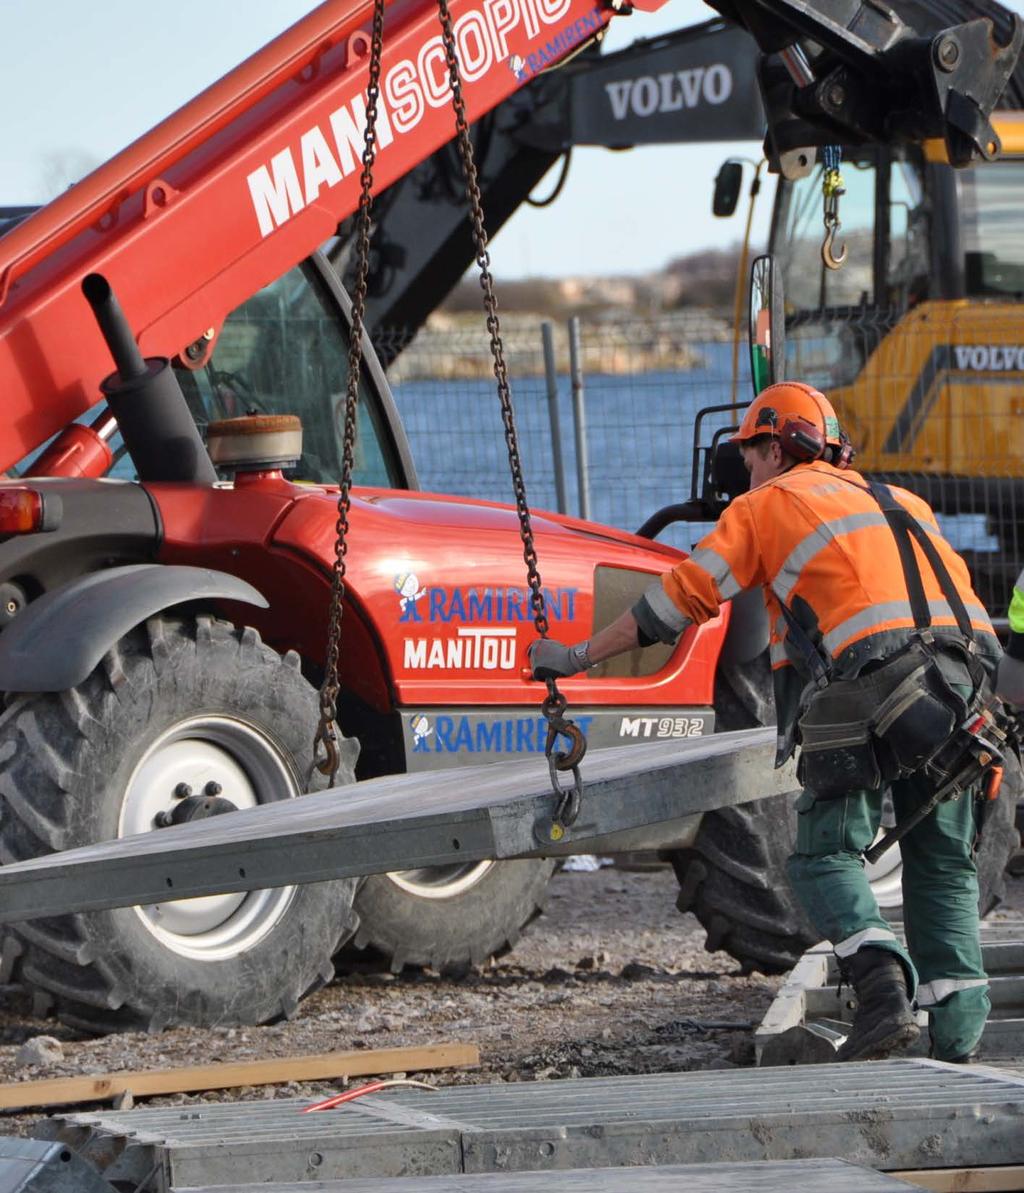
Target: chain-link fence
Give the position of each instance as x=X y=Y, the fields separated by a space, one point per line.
x=643 y=382
x=932 y=398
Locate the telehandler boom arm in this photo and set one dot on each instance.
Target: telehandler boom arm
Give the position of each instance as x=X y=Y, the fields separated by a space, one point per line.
x=242 y=183
x=247 y=179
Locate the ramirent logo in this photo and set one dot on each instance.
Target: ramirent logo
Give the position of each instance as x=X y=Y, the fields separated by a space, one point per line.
x=671 y=91
x=485 y=649
x=332 y=149
x=989 y=358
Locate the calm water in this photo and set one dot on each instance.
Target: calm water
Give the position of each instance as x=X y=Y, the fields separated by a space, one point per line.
x=639 y=442
x=639 y=438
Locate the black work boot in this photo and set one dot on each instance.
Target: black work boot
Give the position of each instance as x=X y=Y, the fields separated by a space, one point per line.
x=884 y=1022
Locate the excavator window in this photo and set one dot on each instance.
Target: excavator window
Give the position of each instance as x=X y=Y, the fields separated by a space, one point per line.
x=836 y=318
x=992 y=229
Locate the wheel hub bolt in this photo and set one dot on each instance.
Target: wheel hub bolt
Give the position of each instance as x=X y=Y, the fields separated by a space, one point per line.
x=163 y=820
x=212 y=788
x=182 y=791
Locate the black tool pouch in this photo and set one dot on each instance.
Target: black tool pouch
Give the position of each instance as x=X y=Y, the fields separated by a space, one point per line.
x=919 y=716
x=866 y=732
x=837 y=750
x=893 y=720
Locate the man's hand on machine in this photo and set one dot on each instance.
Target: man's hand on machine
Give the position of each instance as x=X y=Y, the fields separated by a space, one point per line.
x=551 y=660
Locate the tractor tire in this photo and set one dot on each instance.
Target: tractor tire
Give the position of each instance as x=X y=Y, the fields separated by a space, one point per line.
x=734 y=879
x=174 y=701
x=446 y=917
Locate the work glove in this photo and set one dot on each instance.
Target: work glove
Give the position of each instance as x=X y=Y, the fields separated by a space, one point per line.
x=551 y=660
x=1010 y=680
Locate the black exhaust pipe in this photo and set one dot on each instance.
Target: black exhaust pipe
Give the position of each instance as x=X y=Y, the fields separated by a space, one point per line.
x=144 y=396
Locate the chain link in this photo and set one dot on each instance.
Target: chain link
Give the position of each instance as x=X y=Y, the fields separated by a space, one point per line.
x=554 y=706
x=326 y=738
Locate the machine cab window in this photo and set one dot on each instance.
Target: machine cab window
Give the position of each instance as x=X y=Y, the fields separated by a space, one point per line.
x=835 y=318
x=285 y=351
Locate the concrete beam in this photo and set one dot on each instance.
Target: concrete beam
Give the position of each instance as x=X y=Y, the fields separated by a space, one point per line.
x=503 y=810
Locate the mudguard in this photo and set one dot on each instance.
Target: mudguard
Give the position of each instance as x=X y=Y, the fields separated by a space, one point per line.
x=60 y=637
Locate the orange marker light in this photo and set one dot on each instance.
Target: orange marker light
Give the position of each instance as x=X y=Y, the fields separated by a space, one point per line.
x=21 y=511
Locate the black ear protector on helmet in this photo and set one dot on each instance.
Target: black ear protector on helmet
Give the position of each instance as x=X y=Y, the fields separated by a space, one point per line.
x=797 y=437
x=844 y=453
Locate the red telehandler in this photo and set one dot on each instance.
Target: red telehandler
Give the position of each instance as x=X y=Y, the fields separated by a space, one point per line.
x=180 y=583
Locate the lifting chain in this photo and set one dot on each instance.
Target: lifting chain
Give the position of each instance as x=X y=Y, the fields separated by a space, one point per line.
x=326 y=756
x=831 y=190
x=554 y=704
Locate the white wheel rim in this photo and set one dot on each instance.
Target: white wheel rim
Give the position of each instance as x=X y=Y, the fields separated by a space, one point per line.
x=886 y=877
x=250 y=770
x=440 y=882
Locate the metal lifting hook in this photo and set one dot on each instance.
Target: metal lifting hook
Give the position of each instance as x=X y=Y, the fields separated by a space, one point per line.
x=832 y=260
x=831 y=190
x=569 y=798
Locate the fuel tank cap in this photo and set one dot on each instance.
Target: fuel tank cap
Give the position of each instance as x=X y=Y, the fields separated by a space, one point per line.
x=255 y=441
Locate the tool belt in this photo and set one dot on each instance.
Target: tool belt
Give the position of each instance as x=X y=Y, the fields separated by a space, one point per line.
x=889 y=723
x=897 y=715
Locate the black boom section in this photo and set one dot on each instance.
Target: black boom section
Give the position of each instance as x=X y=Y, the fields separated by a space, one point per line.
x=697 y=84
x=422 y=240
x=852 y=72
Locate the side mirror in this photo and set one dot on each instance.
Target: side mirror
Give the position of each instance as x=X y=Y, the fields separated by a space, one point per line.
x=767 y=324
x=727 y=188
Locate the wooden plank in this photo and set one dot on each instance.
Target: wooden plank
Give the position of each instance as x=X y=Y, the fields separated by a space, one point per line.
x=1007 y=1178
x=502 y=810
x=57 y=1091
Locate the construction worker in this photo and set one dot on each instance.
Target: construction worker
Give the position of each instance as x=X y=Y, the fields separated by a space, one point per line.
x=848 y=626
x=1010 y=681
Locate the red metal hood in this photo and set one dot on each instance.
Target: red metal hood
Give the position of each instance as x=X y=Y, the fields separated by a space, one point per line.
x=438 y=510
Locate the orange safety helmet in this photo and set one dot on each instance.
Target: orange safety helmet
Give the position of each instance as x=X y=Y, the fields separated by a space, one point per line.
x=799 y=416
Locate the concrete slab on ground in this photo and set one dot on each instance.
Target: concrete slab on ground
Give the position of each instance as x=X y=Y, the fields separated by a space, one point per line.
x=635 y=797
x=886 y=1115
x=806 y=1021
x=766 y=1176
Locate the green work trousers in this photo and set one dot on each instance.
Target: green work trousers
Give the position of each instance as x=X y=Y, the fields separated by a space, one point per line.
x=940 y=900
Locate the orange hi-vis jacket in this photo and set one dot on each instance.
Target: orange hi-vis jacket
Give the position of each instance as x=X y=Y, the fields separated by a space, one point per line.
x=816 y=539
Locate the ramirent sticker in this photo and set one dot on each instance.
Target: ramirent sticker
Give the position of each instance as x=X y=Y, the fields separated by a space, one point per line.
x=436 y=738
x=418 y=600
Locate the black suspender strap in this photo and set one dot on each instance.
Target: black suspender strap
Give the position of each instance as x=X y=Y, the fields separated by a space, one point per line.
x=904 y=526
x=818 y=667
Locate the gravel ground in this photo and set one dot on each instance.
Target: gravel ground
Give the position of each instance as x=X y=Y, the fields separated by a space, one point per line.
x=611 y=980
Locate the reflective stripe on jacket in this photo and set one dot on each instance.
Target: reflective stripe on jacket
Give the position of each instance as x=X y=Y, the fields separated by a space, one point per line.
x=816 y=539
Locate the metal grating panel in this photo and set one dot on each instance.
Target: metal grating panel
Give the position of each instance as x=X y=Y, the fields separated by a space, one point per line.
x=894 y=1114
x=806 y=1021
x=780 y=1176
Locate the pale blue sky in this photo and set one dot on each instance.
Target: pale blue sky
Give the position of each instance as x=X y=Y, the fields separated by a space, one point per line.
x=82 y=80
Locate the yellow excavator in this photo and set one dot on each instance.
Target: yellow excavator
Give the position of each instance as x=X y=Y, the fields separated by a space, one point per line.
x=919 y=337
